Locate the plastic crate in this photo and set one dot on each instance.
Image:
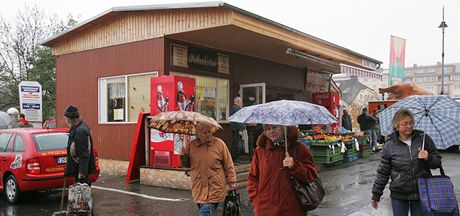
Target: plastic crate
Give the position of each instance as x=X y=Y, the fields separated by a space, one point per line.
x=328 y=159
x=324 y=151
x=350 y=158
x=363 y=140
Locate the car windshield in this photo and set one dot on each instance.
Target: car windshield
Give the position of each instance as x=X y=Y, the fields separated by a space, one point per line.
x=51 y=141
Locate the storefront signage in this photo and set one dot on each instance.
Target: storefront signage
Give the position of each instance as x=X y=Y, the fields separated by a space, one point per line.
x=369 y=64
x=179 y=55
x=200 y=59
x=317 y=82
x=30 y=99
x=224 y=64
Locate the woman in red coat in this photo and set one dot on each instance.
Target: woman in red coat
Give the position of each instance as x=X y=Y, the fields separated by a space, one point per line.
x=270 y=189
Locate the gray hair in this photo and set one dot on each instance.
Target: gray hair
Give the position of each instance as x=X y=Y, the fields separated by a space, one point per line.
x=399 y=115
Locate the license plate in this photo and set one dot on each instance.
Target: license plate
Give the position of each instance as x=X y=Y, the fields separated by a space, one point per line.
x=61 y=160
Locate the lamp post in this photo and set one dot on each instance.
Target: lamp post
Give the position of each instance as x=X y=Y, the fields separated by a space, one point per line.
x=443 y=25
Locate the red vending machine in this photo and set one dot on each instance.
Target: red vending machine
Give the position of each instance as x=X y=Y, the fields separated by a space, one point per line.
x=330 y=100
x=169 y=93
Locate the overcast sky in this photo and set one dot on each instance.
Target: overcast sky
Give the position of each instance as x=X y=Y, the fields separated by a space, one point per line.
x=364 y=26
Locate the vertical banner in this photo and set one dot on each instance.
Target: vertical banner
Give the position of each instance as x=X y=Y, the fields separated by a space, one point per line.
x=30 y=99
x=397 y=57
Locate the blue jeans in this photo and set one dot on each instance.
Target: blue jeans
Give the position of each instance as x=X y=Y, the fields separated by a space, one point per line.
x=401 y=207
x=372 y=136
x=208 y=209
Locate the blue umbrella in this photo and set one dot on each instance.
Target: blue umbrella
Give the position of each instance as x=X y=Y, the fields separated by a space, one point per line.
x=437 y=115
x=284 y=112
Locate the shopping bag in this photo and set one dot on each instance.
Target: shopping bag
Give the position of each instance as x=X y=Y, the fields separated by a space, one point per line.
x=79 y=199
x=232 y=204
x=437 y=195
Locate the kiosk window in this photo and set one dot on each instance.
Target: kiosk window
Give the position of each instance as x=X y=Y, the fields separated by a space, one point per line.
x=212 y=96
x=121 y=98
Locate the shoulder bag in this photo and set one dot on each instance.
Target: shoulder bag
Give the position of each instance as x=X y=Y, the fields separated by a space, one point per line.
x=310 y=194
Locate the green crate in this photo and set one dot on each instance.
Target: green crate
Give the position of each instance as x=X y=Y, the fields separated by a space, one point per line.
x=328 y=159
x=351 y=151
x=324 y=151
x=363 y=140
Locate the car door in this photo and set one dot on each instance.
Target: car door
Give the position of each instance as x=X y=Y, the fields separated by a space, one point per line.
x=5 y=139
x=11 y=162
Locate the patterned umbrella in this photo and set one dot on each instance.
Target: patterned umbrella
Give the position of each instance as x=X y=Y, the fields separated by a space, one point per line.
x=284 y=112
x=5 y=120
x=437 y=115
x=182 y=122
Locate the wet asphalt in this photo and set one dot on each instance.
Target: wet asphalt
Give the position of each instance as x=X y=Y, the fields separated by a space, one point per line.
x=348 y=188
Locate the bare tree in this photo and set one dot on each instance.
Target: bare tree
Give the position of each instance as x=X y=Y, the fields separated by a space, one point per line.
x=21 y=56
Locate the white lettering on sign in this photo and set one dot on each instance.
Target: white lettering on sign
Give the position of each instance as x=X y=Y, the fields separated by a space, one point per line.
x=198 y=59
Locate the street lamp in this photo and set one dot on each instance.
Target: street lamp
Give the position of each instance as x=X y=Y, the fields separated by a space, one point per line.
x=443 y=25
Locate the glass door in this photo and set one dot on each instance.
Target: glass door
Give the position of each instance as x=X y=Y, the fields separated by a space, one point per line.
x=252 y=94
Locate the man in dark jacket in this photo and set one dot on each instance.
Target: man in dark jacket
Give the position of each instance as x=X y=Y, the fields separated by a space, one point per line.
x=80 y=154
x=367 y=124
x=237 y=130
x=346 y=121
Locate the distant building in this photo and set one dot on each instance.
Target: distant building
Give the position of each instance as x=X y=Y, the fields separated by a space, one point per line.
x=429 y=78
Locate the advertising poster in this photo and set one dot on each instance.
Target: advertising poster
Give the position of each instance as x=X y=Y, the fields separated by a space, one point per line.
x=30 y=100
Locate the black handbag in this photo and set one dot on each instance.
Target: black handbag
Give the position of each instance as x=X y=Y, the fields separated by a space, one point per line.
x=232 y=204
x=310 y=194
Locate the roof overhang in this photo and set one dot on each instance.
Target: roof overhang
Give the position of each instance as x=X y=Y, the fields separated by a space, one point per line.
x=256 y=45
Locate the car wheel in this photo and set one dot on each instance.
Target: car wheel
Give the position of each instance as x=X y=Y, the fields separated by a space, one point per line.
x=12 y=192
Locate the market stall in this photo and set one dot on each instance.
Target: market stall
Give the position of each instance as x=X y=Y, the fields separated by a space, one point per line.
x=330 y=148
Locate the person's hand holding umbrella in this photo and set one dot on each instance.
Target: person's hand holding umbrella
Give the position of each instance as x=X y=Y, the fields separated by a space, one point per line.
x=423 y=155
x=288 y=162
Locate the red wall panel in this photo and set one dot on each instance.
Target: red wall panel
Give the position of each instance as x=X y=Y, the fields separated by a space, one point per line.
x=77 y=83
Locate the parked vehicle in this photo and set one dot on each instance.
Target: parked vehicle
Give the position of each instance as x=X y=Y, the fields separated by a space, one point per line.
x=34 y=159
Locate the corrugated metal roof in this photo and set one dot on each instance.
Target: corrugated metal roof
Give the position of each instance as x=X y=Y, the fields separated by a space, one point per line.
x=198 y=5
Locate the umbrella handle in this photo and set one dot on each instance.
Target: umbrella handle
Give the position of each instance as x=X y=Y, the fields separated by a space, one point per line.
x=423 y=142
x=286 y=141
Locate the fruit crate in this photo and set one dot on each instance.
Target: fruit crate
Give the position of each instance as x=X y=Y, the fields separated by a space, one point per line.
x=350 y=157
x=324 y=150
x=363 y=140
x=328 y=159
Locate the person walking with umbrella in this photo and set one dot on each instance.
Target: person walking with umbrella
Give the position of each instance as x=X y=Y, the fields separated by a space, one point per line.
x=211 y=169
x=269 y=185
x=407 y=155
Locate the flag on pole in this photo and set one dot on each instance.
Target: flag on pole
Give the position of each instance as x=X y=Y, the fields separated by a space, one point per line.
x=397 y=57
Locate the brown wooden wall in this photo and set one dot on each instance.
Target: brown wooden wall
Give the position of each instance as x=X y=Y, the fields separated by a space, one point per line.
x=77 y=83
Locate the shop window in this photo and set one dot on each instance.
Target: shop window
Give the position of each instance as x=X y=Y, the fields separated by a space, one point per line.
x=212 y=96
x=122 y=98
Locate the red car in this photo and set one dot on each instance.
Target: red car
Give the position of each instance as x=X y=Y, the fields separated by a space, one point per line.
x=34 y=159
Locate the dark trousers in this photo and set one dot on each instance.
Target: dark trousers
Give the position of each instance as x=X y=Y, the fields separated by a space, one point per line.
x=401 y=207
x=235 y=145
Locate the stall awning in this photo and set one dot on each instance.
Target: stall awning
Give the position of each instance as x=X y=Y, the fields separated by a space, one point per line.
x=347 y=69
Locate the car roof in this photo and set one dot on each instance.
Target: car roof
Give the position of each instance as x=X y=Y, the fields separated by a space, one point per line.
x=33 y=130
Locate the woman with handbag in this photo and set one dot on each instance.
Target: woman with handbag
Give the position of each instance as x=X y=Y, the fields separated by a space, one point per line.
x=405 y=158
x=269 y=185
